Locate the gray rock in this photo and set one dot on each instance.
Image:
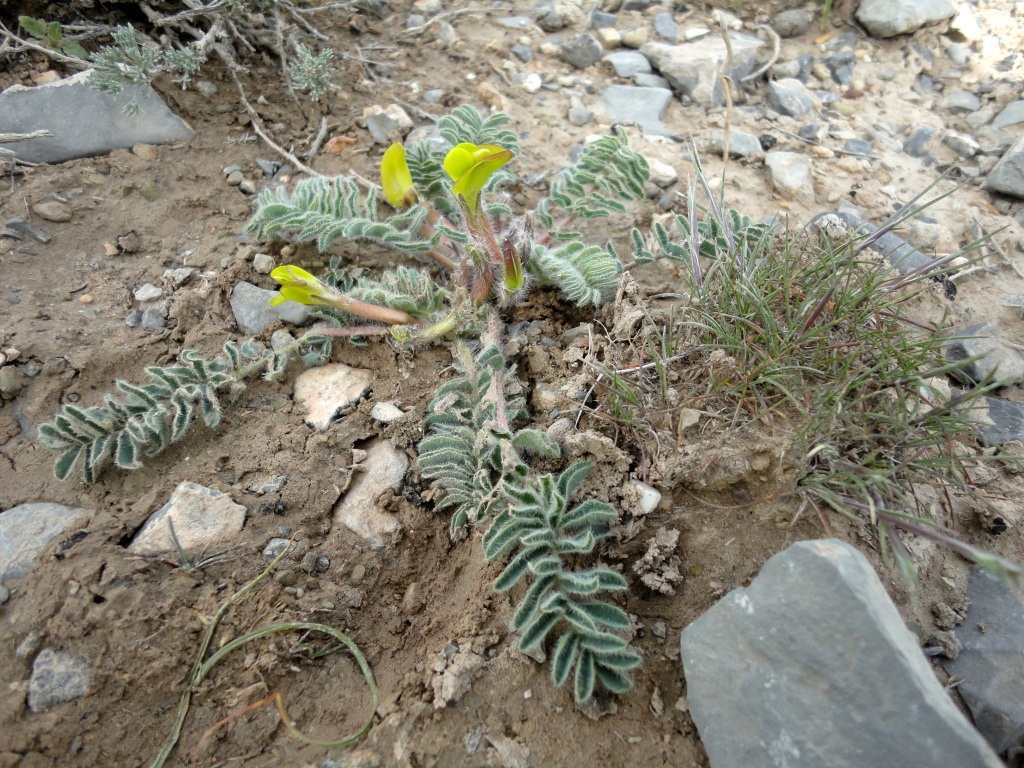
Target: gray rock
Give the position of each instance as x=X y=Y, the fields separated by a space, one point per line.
x=998 y=360
x=270 y=485
x=552 y=21
x=790 y=175
x=5 y=594
x=201 y=517
x=959 y=102
x=693 y=68
x=650 y=80
x=1008 y=174
x=384 y=468
x=433 y=96
x=840 y=66
x=991 y=661
x=644 y=106
x=1012 y=114
x=325 y=392
x=26 y=530
x=11 y=381
x=580 y=116
x=963 y=144
x=263 y=263
x=277 y=545
x=628 y=63
x=639 y=5
x=888 y=18
x=148 y=292
x=602 y=20
x=206 y=88
x=52 y=210
x=791 y=97
x=415 y=20
x=958 y=54
x=812 y=665
x=84 y=121
x=57 y=678
x=813 y=132
x=134 y=318
x=522 y=52
x=582 y=51
x=997 y=421
x=903 y=256
x=153 y=319
x=793 y=22
x=917 y=142
x=386 y=412
x=251 y=307
x=515 y=22
x=741 y=143
x=380 y=126
x=25 y=229
x=665 y=27
x=858 y=148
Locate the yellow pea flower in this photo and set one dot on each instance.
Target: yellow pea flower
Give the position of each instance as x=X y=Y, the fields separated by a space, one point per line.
x=470 y=166
x=396 y=179
x=299 y=286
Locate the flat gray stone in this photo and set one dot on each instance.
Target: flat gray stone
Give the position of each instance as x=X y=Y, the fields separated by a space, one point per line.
x=903 y=256
x=84 y=121
x=741 y=143
x=26 y=530
x=792 y=22
x=959 y=102
x=326 y=391
x=888 y=18
x=997 y=421
x=791 y=97
x=693 y=69
x=632 y=104
x=811 y=665
x=1008 y=174
x=1012 y=114
x=665 y=27
x=57 y=678
x=202 y=518
x=991 y=661
x=790 y=175
x=999 y=361
x=53 y=210
x=650 y=80
x=251 y=307
x=628 y=63
x=384 y=467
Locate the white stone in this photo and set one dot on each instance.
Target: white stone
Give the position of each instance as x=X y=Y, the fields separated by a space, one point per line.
x=693 y=68
x=202 y=517
x=649 y=497
x=532 y=83
x=148 y=292
x=323 y=392
x=384 y=468
x=401 y=118
x=790 y=175
x=663 y=174
x=888 y=18
x=386 y=412
x=263 y=263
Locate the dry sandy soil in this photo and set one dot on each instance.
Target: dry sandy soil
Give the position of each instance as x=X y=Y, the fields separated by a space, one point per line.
x=139 y=621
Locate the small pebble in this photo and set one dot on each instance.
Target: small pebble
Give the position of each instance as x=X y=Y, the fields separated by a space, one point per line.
x=53 y=210
x=85 y=298
x=144 y=151
x=277 y=545
x=134 y=318
x=263 y=263
x=358 y=574
x=235 y=178
x=153 y=320
x=148 y=292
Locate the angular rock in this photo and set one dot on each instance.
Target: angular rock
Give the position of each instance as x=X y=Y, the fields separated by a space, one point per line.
x=741 y=143
x=888 y=18
x=997 y=421
x=793 y=22
x=650 y=80
x=1012 y=114
x=693 y=69
x=628 y=63
x=57 y=678
x=1008 y=174
x=998 y=360
x=384 y=468
x=326 y=391
x=148 y=292
x=917 y=142
x=963 y=144
x=251 y=307
x=602 y=20
x=52 y=210
x=811 y=665
x=665 y=27
x=582 y=51
x=26 y=530
x=790 y=175
x=959 y=102
x=840 y=66
x=791 y=97
x=644 y=106
x=153 y=319
x=202 y=518
x=991 y=661
x=84 y=121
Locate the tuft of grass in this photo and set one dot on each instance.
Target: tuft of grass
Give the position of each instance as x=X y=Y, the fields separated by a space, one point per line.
x=812 y=337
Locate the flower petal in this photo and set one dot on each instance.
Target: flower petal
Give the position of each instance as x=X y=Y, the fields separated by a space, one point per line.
x=459 y=160
x=396 y=178
x=488 y=159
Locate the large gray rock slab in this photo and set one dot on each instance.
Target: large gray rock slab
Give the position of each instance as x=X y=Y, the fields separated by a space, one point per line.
x=1008 y=174
x=633 y=104
x=84 y=121
x=57 y=678
x=693 y=69
x=202 y=517
x=26 y=530
x=996 y=359
x=383 y=468
x=991 y=661
x=887 y=18
x=811 y=665
x=250 y=305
